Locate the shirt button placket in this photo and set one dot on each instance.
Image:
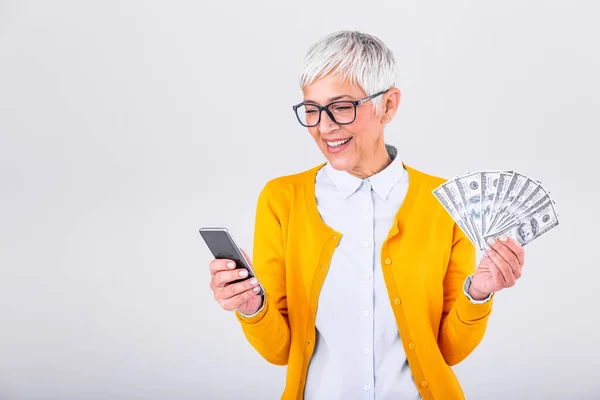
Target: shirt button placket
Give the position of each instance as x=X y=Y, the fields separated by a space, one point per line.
x=367 y=266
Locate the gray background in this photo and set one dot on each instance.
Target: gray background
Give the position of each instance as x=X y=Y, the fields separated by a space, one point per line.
x=125 y=126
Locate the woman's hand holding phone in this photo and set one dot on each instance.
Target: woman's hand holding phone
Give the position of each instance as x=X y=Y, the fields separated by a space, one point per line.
x=241 y=296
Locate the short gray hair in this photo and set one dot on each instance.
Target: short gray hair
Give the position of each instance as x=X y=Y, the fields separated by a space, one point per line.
x=361 y=58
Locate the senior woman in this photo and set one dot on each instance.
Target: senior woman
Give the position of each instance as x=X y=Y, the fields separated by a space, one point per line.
x=371 y=289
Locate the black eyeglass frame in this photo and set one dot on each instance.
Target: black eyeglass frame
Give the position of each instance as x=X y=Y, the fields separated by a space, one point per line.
x=329 y=113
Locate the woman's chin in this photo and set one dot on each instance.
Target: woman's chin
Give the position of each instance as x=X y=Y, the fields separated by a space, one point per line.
x=340 y=163
x=340 y=160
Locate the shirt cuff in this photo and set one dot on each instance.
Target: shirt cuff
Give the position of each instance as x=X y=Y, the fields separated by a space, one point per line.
x=262 y=305
x=466 y=287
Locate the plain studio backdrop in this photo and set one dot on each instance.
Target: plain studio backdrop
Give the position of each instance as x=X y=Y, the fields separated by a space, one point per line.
x=127 y=125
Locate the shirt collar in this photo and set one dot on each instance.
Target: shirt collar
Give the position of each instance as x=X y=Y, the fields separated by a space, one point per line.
x=382 y=182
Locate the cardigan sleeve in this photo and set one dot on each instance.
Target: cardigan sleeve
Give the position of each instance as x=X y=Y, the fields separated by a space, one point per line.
x=268 y=330
x=463 y=322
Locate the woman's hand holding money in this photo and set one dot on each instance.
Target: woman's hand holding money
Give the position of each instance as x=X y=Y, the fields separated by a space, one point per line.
x=500 y=267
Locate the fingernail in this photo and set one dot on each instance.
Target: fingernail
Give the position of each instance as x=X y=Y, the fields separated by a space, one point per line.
x=503 y=238
x=491 y=241
x=256 y=289
x=487 y=247
x=231 y=264
x=254 y=281
x=243 y=273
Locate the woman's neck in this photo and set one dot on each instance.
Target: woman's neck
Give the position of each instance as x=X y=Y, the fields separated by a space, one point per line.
x=373 y=165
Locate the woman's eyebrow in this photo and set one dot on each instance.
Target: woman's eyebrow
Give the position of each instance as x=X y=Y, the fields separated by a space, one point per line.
x=330 y=99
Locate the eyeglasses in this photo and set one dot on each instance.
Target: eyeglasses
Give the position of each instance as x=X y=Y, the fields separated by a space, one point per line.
x=341 y=112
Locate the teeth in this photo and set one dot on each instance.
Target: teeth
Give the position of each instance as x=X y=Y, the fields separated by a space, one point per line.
x=338 y=143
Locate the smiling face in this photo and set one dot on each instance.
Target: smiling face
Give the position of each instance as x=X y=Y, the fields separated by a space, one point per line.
x=359 y=147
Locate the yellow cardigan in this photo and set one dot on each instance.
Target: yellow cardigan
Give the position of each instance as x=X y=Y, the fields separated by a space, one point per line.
x=425 y=260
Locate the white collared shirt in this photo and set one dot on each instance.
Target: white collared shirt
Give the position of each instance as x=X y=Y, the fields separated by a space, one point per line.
x=358 y=352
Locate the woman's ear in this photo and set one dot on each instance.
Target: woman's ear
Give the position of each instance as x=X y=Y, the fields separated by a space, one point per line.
x=390 y=104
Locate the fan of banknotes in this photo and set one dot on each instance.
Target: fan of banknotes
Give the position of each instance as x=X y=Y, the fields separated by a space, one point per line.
x=492 y=203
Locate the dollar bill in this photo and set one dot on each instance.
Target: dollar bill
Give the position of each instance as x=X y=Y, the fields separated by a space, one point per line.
x=470 y=195
x=514 y=186
x=532 y=208
x=538 y=193
x=502 y=186
x=527 y=188
x=533 y=224
x=488 y=187
x=443 y=198
x=452 y=191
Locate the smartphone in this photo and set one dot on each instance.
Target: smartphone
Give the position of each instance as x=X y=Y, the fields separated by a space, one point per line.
x=222 y=245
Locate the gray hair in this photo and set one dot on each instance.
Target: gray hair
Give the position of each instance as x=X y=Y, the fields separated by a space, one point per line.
x=362 y=59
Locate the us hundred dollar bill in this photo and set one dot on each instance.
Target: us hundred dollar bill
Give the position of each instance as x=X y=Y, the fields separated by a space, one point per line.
x=470 y=194
x=516 y=183
x=447 y=203
x=527 y=188
x=453 y=192
x=539 y=193
x=503 y=181
x=532 y=225
x=488 y=189
x=541 y=202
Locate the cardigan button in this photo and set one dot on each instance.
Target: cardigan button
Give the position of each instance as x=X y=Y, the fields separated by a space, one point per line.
x=411 y=346
x=388 y=261
x=397 y=301
x=424 y=384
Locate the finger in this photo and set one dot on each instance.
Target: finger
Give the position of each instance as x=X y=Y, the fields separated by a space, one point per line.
x=222 y=278
x=502 y=265
x=233 y=303
x=221 y=264
x=234 y=289
x=507 y=254
x=515 y=247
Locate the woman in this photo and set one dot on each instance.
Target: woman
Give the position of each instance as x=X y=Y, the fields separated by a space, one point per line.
x=371 y=288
